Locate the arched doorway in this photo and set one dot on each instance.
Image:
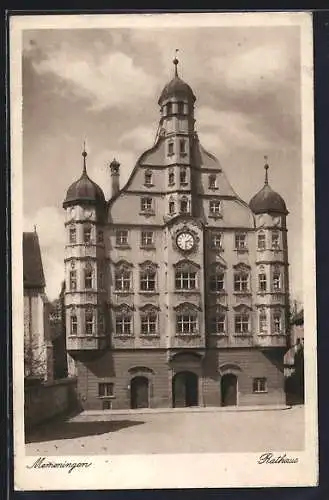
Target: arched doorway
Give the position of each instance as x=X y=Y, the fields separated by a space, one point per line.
x=185 y=389
x=139 y=392
x=228 y=385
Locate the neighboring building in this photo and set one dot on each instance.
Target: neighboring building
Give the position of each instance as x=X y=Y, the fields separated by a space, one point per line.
x=58 y=335
x=38 y=358
x=177 y=290
x=294 y=361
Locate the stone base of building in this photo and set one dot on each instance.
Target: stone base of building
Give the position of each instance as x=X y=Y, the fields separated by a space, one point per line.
x=160 y=378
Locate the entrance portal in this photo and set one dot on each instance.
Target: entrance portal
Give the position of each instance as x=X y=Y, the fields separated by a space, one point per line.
x=185 y=389
x=228 y=386
x=139 y=392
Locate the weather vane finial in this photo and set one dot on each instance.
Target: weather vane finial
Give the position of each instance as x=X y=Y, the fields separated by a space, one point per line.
x=266 y=167
x=175 y=61
x=84 y=155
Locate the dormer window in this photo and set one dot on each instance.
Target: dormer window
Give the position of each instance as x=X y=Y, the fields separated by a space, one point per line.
x=170 y=148
x=183 y=176
x=148 y=178
x=212 y=181
x=146 y=204
x=215 y=208
x=182 y=147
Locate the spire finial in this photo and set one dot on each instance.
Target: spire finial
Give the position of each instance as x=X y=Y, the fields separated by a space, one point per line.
x=175 y=61
x=266 y=167
x=84 y=155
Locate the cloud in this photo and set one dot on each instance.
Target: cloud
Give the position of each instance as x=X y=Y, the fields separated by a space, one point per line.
x=105 y=81
x=139 y=138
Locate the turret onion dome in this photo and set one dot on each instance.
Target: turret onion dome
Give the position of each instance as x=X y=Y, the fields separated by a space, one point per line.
x=176 y=87
x=84 y=190
x=267 y=200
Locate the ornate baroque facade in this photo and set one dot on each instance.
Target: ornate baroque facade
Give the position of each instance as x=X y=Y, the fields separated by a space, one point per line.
x=176 y=289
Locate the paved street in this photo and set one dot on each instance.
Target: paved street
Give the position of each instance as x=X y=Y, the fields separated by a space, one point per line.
x=188 y=431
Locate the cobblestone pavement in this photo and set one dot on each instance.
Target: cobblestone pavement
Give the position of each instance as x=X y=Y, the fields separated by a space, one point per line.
x=213 y=431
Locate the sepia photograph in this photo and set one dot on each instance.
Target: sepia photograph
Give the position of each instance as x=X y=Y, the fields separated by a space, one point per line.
x=163 y=243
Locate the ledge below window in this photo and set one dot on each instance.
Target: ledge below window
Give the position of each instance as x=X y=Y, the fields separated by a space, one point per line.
x=215 y=216
x=187 y=335
x=123 y=292
x=148 y=292
x=147 y=247
x=241 y=250
x=124 y=246
x=148 y=213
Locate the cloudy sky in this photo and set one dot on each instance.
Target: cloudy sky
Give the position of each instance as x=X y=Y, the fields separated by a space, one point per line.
x=102 y=86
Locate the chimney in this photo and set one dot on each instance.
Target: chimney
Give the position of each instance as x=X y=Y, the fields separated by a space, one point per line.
x=115 y=174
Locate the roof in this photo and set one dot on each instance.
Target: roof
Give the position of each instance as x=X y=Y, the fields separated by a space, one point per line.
x=84 y=190
x=32 y=262
x=176 y=87
x=267 y=200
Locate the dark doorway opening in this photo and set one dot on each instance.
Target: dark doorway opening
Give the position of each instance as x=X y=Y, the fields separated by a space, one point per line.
x=185 y=390
x=139 y=392
x=228 y=386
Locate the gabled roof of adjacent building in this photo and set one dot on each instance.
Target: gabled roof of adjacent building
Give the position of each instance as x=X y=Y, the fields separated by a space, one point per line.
x=32 y=262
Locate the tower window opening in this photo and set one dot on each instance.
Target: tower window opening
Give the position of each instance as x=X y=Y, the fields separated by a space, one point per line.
x=277 y=319
x=73 y=280
x=88 y=279
x=275 y=240
x=180 y=107
x=261 y=241
x=171 y=178
x=182 y=147
x=87 y=234
x=171 y=207
x=89 y=322
x=276 y=281
x=184 y=206
x=169 y=108
x=72 y=235
x=262 y=322
x=74 y=324
x=170 y=148
x=183 y=176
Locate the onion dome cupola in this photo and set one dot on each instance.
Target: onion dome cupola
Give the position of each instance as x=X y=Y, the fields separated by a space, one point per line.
x=84 y=190
x=267 y=200
x=176 y=88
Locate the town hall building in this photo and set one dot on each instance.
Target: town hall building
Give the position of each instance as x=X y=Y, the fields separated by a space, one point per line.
x=177 y=290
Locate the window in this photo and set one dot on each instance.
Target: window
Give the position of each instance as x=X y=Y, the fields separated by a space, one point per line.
x=72 y=235
x=88 y=278
x=73 y=280
x=87 y=234
x=148 y=178
x=241 y=323
x=146 y=204
x=275 y=240
x=218 y=323
x=240 y=241
x=262 y=282
x=183 y=176
x=261 y=241
x=123 y=323
x=171 y=177
x=122 y=280
x=74 y=324
x=89 y=322
x=147 y=280
x=170 y=148
x=100 y=236
x=262 y=322
x=241 y=281
x=186 y=323
x=149 y=323
x=171 y=207
x=105 y=389
x=184 y=206
x=216 y=283
x=121 y=237
x=259 y=385
x=147 y=238
x=185 y=280
x=169 y=108
x=214 y=207
x=216 y=240
x=276 y=281
x=101 y=323
x=277 y=319
x=182 y=146
x=180 y=107
x=212 y=179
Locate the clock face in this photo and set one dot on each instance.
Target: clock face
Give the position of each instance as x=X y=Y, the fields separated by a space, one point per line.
x=185 y=241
